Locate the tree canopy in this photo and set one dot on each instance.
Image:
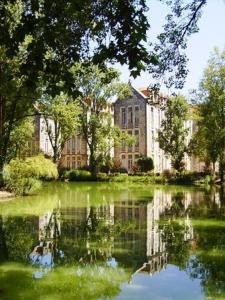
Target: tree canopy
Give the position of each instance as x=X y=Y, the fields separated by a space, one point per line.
x=210 y=137
x=172 y=135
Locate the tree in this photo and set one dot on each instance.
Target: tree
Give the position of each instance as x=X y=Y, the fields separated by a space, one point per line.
x=211 y=123
x=41 y=40
x=19 y=138
x=172 y=135
x=145 y=163
x=61 y=118
x=97 y=89
x=169 y=50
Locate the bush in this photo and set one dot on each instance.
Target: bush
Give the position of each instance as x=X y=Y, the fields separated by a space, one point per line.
x=145 y=163
x=167 y=173
x=22 y=176
x=78 y=175
x=120 y=170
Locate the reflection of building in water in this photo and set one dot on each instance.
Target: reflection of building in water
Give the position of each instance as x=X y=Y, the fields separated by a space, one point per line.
x=127 y=230
x=155 y=245
x=46 y=251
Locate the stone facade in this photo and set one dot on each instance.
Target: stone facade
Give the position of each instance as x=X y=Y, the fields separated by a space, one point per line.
x=140 y=116
x=137 y=117
x=40 y=141
x=74 y=154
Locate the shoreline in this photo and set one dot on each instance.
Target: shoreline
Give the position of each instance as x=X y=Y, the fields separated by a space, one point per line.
x=6 y=196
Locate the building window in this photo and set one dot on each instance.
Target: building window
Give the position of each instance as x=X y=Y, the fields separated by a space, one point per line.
x=73 y=144
x=159 y=116
x=136 y=133
x=123 y=146
x=130 y=116
x=68 y=146
x=130 y=147
x=136 y=116
x=123 y=160
x=152 y=117
x=73 y=162
x=152 y=141
x=68 y=163
x=130 y=162
x=78 y=143
x=136 y=156
x=46 y=145
x=78 y=162
x=123 y=117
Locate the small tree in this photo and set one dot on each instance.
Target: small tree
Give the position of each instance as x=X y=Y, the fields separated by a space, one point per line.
x=61 y=116
x=19 y=138
x=145 y=163
x=172 y=135
x=211 y=124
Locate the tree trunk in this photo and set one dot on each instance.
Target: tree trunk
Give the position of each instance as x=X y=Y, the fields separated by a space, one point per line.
x=93 y=163
x=221 y=169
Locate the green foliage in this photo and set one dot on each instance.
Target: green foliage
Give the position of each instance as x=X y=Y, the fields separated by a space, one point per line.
x=171 y=136
x=209 y=141
x=22 y=176
x=97 y=89
x=78 y=175
x=169 y=50
x=35 y=50
x=61 y=118
x=69 y=282
x=145 y=163
x=19 y=138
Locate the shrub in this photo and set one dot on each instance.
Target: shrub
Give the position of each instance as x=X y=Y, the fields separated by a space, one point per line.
x=168 y=173
x=145 y=163
x=120 y=178
x=78 y=175
x=22 y=176
x=119 y=170
x=136 y=168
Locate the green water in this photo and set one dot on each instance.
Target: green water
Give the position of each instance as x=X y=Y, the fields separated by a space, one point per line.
x=113 y=241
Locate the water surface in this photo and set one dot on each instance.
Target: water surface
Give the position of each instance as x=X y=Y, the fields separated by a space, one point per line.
x=113 y=241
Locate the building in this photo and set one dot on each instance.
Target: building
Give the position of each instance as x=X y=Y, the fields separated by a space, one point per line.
x=75 y=153
x=138 y=117
x=40 y=141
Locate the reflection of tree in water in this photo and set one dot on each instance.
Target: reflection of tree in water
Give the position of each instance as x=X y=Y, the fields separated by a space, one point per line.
x=208 y=242
x=91 y=238
x=177 y=233
x=46 y=253
x=18 y=235
x=176 y=236
x=210 y=204
x=177 y=208
x=208 y=264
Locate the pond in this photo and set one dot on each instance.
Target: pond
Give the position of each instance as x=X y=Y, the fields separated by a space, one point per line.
x=113 y=241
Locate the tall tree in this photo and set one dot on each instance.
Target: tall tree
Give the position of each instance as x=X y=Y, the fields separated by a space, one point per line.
x=97 y=89
x=172 y=135
x=212 y=110
x=41 y=40
x=61 y=120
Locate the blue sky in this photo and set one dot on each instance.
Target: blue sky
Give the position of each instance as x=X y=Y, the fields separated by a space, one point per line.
x=201 y=44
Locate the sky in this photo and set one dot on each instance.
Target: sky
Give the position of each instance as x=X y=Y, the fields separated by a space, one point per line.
x=211 y=34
